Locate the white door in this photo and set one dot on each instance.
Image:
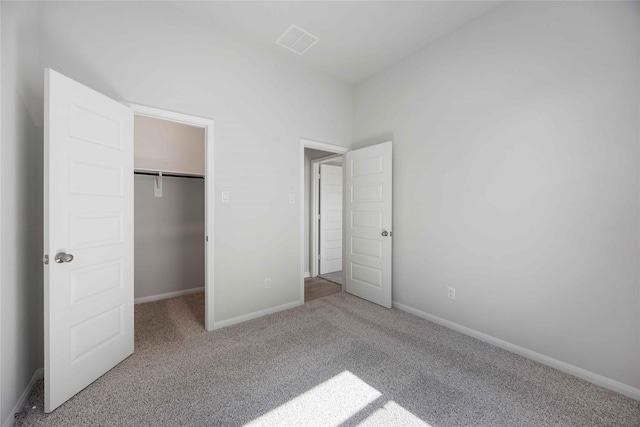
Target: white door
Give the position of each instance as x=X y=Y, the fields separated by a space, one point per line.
x=88 y=236
x=368 y=223
x=330 y=218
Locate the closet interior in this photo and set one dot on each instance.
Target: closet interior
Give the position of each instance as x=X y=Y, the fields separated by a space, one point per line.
x=169 y=209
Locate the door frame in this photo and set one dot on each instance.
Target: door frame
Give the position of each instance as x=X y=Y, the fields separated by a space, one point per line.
x=314 y=194
x=209 y=194
x=316 y=145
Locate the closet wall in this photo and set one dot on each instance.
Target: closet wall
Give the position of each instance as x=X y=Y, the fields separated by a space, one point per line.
x=168 y=146
x=169 y=230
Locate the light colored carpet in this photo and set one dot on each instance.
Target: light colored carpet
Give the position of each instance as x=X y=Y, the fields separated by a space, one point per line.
x=335 y=361
x=335 y=277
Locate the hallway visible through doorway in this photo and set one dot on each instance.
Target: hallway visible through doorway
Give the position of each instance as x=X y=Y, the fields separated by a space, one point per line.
x=335 y=277
x=315 y=287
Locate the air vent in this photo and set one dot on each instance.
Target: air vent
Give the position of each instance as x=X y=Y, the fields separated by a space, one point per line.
x=297 y=39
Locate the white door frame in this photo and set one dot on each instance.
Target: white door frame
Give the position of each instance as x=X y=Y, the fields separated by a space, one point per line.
x=314 y=230
x=207 y=125
x=316 y=145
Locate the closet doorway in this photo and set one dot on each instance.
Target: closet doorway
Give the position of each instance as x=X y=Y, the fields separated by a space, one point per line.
x=88 y=232
x=173 y=219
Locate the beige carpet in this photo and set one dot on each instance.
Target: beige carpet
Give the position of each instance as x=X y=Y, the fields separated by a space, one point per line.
x=336 y=360
x=169 y=321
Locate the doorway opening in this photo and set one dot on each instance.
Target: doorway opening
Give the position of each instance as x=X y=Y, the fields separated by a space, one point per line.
x=325 y=216
x=169 y=236
x=321 y=219
x=172 y=219
x=88 y=232
x=366 y=220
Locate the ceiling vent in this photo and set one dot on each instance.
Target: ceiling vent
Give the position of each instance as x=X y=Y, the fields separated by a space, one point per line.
x=297 y=39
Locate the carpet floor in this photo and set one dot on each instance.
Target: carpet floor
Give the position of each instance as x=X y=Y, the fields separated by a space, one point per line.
x=335 y=277
x=337 y=360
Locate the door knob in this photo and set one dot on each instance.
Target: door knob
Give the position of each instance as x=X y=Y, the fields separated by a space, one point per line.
x=385 y=233
x=63 y=257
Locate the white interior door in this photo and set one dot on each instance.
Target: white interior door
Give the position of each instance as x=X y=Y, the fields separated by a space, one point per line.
x=368 y=223
x=88 y=236
x=330 y=218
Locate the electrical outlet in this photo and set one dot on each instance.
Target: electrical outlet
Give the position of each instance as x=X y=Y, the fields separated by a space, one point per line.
x=451 y=293
x=267 y=283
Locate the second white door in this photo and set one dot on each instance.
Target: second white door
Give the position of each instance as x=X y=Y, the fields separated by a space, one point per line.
x=368 y=223
x=330 y=218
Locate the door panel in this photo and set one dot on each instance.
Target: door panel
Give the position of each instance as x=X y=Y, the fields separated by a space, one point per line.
x=368 y=210
x=88 y=213
x=330 y=218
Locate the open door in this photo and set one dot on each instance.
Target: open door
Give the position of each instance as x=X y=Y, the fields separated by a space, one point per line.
x=330 y=218
x=368 y=223
x=88 y=236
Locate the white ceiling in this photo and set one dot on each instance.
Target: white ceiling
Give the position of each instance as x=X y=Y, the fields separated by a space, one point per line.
x=357 y=38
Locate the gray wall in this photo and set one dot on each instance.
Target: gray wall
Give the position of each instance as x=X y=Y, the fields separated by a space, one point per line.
x=169 y=235
x=21 y=216
x=516 y=178
x=262 y=105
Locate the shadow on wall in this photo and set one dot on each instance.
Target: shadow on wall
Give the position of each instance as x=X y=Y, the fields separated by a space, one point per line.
x=31 y=205
x=27 y=183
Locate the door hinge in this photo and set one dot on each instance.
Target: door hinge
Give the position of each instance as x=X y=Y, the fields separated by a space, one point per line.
x=206 y=238
x=45 y=259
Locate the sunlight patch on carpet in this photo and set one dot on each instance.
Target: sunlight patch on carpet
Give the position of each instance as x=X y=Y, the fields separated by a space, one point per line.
x=392 y=414
x=330 y=403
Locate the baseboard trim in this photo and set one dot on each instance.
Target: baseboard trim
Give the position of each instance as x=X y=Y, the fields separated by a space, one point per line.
x=37 y=375
x=167 y=295
x=306 y=274
x=255 y=314
x=589 y=376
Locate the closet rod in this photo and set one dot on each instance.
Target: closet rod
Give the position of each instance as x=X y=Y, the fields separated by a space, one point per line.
x=171 y=175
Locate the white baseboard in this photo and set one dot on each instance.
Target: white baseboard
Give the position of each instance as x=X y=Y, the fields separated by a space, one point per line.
x=37 y=375
x=255 y=314
x=307 y=274
x=589 y=376
x=168 y=295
